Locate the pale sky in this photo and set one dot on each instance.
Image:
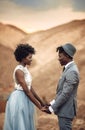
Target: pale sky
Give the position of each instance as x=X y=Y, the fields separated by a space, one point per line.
x=35 y=15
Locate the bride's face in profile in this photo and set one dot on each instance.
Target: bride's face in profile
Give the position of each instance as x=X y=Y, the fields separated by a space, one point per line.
x=27 y=60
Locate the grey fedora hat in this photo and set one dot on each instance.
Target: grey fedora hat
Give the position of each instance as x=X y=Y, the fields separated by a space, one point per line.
x=69 y=49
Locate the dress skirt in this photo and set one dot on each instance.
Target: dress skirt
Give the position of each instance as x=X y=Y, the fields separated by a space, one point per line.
x=19 y=114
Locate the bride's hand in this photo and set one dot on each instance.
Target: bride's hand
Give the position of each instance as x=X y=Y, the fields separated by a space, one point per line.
x=44 y=108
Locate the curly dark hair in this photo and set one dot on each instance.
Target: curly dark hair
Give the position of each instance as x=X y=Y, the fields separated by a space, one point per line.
x=23 y=50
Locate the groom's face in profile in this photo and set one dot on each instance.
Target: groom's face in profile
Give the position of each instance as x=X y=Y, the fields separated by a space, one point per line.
x=63 y=58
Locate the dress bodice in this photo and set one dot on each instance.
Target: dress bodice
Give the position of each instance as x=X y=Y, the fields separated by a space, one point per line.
x=27 y=77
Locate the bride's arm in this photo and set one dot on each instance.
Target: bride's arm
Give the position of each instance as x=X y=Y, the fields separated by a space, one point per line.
x=37 y=97
x=20 y=78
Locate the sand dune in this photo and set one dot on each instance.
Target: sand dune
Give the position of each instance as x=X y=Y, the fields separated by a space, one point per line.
x=10 y=35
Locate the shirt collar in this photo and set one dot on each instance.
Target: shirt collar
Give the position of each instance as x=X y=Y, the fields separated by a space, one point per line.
x=68 y=64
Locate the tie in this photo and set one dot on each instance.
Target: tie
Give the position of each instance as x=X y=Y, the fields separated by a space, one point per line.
x=63 y=68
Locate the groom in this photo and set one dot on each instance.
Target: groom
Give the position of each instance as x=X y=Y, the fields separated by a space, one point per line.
x=64 y=104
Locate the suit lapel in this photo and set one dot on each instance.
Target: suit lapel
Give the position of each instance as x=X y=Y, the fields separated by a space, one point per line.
x=66 y=69
x=69 y=66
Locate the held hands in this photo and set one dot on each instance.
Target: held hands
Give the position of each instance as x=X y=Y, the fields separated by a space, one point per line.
x=45 y=108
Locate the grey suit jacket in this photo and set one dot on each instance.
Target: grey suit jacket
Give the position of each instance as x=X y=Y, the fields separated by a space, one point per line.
x=66 y=93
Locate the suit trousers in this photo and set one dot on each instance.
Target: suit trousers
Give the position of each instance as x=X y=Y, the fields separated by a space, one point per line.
x=65 y=123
